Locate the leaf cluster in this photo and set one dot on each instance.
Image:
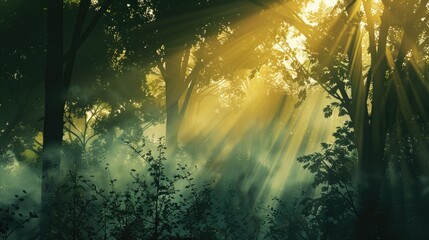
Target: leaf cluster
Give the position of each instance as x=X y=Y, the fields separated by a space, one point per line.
x=334 y=203
x=13 y=218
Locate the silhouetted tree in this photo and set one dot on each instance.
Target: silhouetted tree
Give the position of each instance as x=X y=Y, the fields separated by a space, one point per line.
x=59 y=68
x=371 y=95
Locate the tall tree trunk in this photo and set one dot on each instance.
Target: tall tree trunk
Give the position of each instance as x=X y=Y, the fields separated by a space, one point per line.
x=371 y=221
x=371 y=140
x=54 y=111
x=57 y=83
x=370 y=131
x=173 y=124
x=174 y=88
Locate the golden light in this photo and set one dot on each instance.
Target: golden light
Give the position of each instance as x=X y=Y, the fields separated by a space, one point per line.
x=260 y=124
x=263 y=125
x=314 y=5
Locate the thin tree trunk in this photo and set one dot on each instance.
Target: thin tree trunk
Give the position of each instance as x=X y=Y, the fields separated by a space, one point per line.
x=54 y=111
x=172 y=126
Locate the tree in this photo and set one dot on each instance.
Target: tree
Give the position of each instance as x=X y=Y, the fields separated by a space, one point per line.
x=54 y=111
x=21 y=76
x=183 y=52
x=372 y=92
x=57 y=84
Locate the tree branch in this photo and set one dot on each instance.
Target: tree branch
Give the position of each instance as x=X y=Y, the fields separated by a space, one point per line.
x=85 y=34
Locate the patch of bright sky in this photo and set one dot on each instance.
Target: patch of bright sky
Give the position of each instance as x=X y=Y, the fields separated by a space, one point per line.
x=296 y=42
x=314 y=5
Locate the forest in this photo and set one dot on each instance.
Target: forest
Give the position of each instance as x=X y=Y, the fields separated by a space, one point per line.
x=214 y=119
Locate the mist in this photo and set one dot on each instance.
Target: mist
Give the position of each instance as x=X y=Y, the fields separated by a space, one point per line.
x=214 y=119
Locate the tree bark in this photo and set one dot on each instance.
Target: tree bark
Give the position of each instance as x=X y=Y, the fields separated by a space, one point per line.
x=57 y=81
x=173 y=91
x=372 y=221
x=370 y=130
x=54 y=111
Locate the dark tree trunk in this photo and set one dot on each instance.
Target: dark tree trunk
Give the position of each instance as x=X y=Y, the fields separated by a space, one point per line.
x=174 y=88
x=370 y=131
x=54 y=111
x=57 y=83
x=371 y=221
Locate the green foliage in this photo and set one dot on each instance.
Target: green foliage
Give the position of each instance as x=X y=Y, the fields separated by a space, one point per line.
x=143 y=210
x=235 y=221
x=329 y=109
x=333 y=208
x=284 y=221
x=155 y=205
x=161 y=205
x=13 y=218
x=21 y=67
x=335 y=163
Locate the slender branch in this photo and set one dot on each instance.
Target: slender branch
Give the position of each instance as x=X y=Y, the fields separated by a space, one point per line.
x=187 y=97
x=147 y=125
x=37 y=152
x=90 y=137
x=73 y=125
x=190 y=83
x=349 y=200
x=70 y=60
x=85 y=34
x=162 y=70
x=185 y=62
x=38 y=143
x=367 y=4
x=74 y=134
x=195 y=71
